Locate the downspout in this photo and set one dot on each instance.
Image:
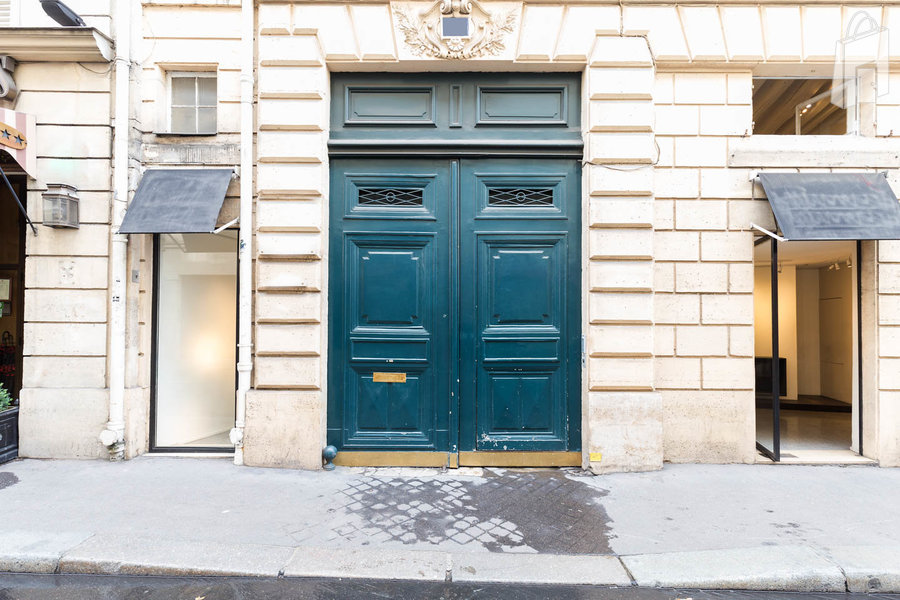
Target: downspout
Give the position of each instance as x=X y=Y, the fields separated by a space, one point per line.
x=245 y=247
x=113 y=437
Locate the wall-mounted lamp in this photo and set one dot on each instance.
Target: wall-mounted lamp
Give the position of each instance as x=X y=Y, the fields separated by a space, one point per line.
x=60 y=206
x=62 y=14
x=8 y=88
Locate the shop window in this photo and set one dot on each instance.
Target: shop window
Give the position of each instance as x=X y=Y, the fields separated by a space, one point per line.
x=195 y=346
x=783 y=106
x=192 y=104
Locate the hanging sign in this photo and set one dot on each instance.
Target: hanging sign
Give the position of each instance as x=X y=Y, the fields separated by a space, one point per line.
x=17 y=137
x=11 y=138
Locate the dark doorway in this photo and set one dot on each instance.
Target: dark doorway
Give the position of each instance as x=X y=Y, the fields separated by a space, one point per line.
x=12 y=286
x=12 y=313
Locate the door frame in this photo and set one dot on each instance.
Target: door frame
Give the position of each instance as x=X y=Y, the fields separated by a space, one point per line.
x=574 y=366
x=154 y=358
x=9 y=448
x=856 y=421
x=20 y=182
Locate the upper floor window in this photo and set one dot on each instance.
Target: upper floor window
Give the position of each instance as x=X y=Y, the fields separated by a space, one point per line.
x=193 y=103
x=794 y=106
x=6 y=13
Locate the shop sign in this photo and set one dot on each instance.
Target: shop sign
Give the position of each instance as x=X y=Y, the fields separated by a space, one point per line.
x=17 y=138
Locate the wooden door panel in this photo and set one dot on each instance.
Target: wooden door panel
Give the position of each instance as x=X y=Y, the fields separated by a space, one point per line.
x=389 y=303
x=520 y=391
x=520 y=282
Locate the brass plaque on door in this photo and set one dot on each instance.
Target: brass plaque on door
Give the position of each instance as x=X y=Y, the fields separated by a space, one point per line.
x=389 y=377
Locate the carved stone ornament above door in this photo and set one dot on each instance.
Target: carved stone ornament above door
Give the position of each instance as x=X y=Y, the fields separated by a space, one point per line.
x=454 y=29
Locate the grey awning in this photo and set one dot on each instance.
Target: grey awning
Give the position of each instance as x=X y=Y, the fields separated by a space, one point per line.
x=177 y=201
x=833 y=206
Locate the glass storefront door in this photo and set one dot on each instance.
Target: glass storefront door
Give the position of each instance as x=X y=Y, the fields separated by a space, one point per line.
x=196 y=334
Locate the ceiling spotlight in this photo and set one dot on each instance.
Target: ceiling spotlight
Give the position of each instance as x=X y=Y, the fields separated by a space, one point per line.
x=62 y=14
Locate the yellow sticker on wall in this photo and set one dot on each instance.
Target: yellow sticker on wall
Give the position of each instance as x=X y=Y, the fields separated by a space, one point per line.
x=596 y=456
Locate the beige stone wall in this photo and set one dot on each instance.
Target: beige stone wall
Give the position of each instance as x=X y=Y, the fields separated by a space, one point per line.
x=286 y=410
x=623 y=424
x=64 y=401
x=886 y=433
x=704 y=268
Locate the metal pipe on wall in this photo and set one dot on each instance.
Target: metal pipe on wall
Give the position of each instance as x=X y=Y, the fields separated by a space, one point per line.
x=113 y=437
x=245 y=244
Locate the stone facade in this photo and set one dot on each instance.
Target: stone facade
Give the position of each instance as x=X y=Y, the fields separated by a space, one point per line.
x=64 y=402
x=668 y=201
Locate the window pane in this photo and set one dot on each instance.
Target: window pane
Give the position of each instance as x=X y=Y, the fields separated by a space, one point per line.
x=207 y=91
x=796 y=107
x=183 y=92
x=207 y=120
x=184 y=120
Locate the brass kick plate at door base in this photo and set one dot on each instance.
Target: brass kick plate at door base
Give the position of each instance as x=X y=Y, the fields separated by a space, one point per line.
x=389 y=377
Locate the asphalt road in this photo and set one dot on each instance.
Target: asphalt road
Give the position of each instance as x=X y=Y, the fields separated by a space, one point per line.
x=93 y=587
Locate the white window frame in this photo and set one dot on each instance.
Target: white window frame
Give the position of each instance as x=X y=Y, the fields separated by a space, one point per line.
x=196 y=75
x=13 y=13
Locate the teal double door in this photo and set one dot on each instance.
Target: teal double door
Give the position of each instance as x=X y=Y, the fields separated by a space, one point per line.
x=454 y=303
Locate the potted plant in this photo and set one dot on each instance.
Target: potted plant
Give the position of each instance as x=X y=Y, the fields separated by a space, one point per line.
x=9 y=426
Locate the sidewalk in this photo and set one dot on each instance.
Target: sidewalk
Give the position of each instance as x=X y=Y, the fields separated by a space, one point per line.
x=707 y=526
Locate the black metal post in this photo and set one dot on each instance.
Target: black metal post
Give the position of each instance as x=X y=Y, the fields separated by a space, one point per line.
x=776 y=375
x=859 y=344
x=19 y=202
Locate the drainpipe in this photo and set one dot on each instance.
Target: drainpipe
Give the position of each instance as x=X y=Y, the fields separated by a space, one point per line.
x=113 y=437
x=245 y=248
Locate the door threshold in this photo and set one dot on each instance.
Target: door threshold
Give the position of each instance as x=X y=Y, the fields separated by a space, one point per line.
x=817 y=457
x=229 y=454
x=400 y=458
x=350 y=458
x=519 y=459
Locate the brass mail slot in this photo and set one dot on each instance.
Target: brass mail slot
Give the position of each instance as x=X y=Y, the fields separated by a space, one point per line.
x=389 y=377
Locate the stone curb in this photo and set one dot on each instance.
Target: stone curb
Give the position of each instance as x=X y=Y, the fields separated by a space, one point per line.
x=786 y=568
